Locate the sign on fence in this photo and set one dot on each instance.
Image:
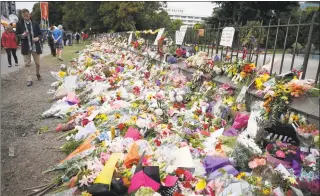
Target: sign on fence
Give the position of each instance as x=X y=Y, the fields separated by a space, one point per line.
x=180 y=36
x=158 y=36
x=183 y=28
x=227 y=36
x=130 y=39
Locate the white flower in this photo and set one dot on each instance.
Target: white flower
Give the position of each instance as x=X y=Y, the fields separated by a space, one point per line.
x=158 y=112
x=179 y=98
x=83 y=181
x=141 y=123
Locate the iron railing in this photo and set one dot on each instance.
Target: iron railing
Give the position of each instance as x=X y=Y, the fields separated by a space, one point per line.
x=264 y=48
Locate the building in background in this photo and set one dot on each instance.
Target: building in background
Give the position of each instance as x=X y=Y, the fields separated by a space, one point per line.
x=304 y=5
x=187 y=19
x=7 y=8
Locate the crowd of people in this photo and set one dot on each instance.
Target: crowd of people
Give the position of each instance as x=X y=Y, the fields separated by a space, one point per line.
x=29 y=37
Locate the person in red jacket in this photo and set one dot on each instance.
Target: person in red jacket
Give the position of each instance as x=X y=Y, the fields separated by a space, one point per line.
x=9 y=43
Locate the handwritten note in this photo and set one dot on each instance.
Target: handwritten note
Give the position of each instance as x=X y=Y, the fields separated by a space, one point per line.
x=183 y=28
x=179 y=37
x=227 y=36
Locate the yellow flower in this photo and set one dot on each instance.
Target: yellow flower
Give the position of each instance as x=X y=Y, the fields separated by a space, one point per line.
x=134 y=105
x=292 y=180
x=62 y=74
x=196 y=117
x=134 y=118
x=102 y=117
x=266 y=191
x=241 y=175
x=163 y=73
x=119 y=94
x=117 y=115
x=243 y=74
x=284 y=98
x=259 y=84
x=149 y=97
x=85 y=193
x=252 y=65
x=265 y=77
x=234 y=107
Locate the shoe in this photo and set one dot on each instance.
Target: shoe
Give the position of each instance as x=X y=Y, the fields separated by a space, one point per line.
x=10 y=66
x=39 y=77
x=16 y=64
x=29 y=83
x=60 y=59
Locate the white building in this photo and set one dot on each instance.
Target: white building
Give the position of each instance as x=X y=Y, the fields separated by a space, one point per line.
x=187 y=19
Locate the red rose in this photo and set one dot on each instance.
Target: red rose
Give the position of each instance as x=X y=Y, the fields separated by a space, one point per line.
x=85 y=122
x=177 y=194
x=187 y=185
x=205 y=126
x=118 y=97
x=205 y=133
x=179 y=172
x=136 y=91
x=158 y=142
x=198 y=112
x=147 y=75
x=121 y=126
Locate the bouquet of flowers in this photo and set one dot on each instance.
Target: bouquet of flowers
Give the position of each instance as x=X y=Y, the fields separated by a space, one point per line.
x=281 y=153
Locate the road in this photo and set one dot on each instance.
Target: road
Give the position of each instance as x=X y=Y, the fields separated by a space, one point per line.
x=5 y=70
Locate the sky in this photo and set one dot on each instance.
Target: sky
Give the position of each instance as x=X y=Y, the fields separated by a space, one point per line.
x=205 y=8
x=25 y=4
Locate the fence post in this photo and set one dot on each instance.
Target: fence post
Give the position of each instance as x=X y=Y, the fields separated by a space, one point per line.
x=217 y=44
x=275 y=47
x=239 y=40
x=296 y=43
x=307 y=53
x=214 y=27
x=258 y=43
x=266 y=47
x=284 y=46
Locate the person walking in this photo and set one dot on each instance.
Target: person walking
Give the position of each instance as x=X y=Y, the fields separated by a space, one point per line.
x=9 y=43
x=51 y=41
x=77 y=37
x=57 y=36
x=30 y=35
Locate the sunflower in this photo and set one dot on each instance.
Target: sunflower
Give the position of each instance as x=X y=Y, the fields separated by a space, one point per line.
x=134 y=118
x=117 y=115
x=241 y=175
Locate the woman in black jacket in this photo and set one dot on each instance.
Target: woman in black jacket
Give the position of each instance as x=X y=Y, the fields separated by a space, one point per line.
x=30 y=35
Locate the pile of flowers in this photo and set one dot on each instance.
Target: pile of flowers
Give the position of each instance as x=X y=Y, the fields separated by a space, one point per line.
x=143 y=129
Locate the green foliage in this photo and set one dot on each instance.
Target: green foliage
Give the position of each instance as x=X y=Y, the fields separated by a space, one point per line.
x=249 y=32
x=70 y=146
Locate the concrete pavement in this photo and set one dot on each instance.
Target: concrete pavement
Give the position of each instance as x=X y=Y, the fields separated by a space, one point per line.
x=5 y=70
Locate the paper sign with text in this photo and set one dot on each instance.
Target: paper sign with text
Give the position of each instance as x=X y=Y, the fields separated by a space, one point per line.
x=184 y=28
x=227 y=36
x=179 y=37
x=130 y=39
x=158 y=36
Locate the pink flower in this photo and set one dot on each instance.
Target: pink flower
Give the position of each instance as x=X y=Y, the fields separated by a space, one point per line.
x=158 y=96
x=261 y=162
x=104 y=157
x=280 y=154
x=183 y=144
x=253 y=164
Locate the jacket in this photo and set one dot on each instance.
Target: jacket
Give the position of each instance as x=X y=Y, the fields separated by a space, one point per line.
x=9 y=40
x=20 y=29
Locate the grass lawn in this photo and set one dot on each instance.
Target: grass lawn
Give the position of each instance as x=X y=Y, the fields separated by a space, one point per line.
x=68 y=53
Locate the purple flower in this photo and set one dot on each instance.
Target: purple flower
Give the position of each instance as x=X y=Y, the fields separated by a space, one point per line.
x=158 y=82
x=172 y=60
x=216 y=58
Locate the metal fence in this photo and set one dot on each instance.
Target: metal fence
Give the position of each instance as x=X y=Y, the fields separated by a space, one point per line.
x=268 y=44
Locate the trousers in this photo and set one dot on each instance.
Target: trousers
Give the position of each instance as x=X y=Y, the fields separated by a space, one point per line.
x=13 y=51
x=27 y=61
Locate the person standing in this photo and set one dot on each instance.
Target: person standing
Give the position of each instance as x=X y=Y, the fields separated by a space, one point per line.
x=77 y=37
x=64 y=37
x=51 y=41
x=30 y=35
x=58 y=36
x=9 y=43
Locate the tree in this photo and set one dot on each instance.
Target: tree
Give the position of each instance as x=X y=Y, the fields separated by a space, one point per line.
x=36 y=13
x=174 y=26
x=235 y=12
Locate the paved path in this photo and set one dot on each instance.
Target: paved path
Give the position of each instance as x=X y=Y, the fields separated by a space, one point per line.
x=5 y=70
